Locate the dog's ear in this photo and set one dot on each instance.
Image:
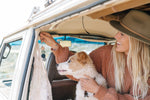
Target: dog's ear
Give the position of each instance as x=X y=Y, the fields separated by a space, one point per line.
x=82 y=57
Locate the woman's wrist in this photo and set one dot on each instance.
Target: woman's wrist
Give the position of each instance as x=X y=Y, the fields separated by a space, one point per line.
x=55 y=46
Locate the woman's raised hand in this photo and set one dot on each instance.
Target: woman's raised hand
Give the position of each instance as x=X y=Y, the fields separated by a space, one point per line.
x=48 y=39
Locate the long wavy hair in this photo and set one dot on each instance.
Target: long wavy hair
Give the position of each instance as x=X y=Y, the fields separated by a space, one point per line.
x=138 y=62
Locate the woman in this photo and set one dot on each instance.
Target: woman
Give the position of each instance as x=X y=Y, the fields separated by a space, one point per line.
x=125 y=66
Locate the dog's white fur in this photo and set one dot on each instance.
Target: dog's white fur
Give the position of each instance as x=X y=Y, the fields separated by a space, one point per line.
x=79 y=65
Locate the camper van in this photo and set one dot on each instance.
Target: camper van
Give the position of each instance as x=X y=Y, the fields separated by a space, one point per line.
x=82 y=25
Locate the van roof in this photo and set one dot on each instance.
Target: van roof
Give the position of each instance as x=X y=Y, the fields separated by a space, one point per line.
x=63 y=12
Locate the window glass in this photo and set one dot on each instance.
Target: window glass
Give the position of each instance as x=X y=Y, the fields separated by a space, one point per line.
x=76 y=45
x=87 y=47
x=80 y=44
x=7 y=66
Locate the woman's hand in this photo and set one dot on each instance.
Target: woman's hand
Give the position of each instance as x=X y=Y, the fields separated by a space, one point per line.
x=88 y=84
x=48 y=39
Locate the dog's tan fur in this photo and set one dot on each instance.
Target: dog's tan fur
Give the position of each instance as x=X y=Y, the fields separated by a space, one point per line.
x=79 y=65
x=79 y=61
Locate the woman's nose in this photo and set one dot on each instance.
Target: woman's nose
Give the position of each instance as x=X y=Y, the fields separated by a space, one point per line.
x=117 y=36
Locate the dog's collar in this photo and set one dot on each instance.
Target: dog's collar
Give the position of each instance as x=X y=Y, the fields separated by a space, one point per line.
x=86 y=94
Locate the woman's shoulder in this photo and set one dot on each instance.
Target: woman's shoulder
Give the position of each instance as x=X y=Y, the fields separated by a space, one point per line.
x=102 y=50
x=105 y=48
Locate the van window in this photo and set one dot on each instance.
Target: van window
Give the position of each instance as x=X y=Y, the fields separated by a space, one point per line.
x=7 y=66
x=77 y=45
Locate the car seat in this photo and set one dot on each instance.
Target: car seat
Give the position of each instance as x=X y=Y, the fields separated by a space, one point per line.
x=62 y=87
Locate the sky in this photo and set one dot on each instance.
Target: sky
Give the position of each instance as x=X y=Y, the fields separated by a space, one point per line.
x=15 y=13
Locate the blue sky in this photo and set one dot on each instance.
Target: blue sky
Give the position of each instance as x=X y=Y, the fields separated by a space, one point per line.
x=15 y=13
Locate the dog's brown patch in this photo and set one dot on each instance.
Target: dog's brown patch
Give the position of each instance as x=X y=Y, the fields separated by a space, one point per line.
x=82 y=57
x=79 y=61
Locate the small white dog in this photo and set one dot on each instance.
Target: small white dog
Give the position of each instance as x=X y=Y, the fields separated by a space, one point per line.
x=78 y=65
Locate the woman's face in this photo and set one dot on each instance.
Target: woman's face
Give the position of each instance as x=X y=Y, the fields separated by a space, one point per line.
x=122 y=42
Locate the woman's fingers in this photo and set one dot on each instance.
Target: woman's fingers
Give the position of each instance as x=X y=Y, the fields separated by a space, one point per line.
x=45 y=34
x=48 y=39
x=41 y=38
x=89 y=84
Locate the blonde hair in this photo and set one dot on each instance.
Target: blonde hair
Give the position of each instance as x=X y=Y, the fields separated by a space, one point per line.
x=138 y=62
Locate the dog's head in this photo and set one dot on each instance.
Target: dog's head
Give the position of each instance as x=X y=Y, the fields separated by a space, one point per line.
x=75 y=63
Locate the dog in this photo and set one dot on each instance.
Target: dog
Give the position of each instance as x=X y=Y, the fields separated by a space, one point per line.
x=78 y=65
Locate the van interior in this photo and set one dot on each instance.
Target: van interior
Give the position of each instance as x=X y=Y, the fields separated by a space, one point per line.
x=93 y=27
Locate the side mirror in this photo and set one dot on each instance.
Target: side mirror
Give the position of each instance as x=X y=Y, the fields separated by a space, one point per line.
x=7 y=51
x=65 y=43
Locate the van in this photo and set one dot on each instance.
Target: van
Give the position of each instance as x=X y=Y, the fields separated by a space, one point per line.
x=82 y=25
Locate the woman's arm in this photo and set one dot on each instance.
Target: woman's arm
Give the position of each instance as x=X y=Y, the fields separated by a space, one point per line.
x=111 y=94
x=61 y=53
x=102 y=93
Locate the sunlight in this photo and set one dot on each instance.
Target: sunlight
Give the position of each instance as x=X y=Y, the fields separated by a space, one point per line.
x=15 y=13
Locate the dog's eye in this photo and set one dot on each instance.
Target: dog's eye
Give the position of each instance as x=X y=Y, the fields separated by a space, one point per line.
x=69 y=61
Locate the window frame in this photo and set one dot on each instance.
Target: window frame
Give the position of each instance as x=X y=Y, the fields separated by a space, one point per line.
x=7 y=60
x=20 y=79
x=16 y=37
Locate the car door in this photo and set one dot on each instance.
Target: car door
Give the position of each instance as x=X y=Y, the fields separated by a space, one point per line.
x=14 y=61
x=9 y=55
